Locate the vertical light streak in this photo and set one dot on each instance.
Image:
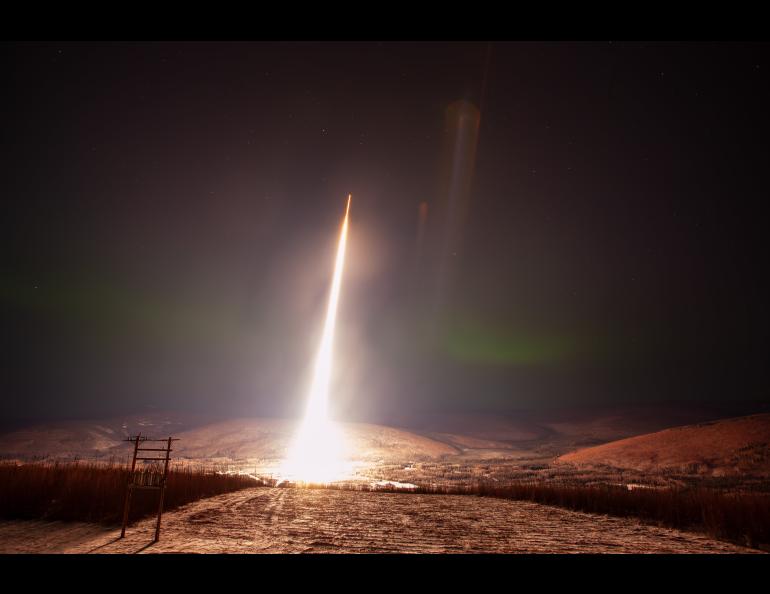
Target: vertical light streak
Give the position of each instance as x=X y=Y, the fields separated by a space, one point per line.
x=317 y=454
x=319 y=392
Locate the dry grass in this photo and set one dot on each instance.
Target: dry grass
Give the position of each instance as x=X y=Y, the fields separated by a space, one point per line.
x=95 y=492
x=739 y=517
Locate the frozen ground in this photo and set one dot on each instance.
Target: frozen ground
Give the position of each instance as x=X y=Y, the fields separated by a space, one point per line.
x=276 y=520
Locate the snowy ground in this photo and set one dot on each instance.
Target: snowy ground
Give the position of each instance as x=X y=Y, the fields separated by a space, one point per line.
x=276 y=520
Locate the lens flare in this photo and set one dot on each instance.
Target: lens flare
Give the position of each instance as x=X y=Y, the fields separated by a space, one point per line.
x=319 y=451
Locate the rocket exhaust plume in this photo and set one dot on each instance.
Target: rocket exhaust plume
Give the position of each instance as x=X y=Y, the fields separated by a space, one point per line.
x=318 y=452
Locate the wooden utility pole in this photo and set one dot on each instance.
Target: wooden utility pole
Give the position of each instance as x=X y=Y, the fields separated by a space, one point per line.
x=143 y=480
x=162 y=490
x=129 y=487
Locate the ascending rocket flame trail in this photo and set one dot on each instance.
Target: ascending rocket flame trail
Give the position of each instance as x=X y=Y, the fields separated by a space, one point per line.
x=319 y=393
x=318 y=450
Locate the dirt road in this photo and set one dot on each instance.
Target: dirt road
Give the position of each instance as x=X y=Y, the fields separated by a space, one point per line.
x=274 y=520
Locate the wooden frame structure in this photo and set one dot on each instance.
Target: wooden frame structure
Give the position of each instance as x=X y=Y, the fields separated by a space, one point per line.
x=147 y=480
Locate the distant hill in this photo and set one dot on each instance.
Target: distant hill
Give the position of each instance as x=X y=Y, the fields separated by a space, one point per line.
x=562 y=429
x=594 y=425
x=270 y=438
x=251 y=438
x=542 y=434
x=718 y=448
x=91 y=438
x=477 y=431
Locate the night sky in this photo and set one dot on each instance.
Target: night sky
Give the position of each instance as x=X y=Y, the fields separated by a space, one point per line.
x=170 y=214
